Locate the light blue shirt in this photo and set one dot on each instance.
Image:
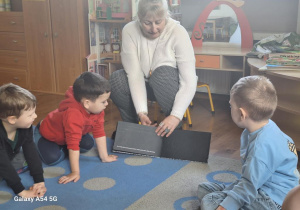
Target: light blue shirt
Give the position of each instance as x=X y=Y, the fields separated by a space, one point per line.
x=269 y=159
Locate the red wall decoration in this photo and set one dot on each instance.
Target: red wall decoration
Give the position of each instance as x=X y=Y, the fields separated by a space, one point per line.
x=246 y=32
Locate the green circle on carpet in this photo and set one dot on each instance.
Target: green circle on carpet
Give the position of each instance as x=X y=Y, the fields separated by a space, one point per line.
x=91 y=153
x=101 y=183
x=4 y=197
x=51 y=172
x=138 y=160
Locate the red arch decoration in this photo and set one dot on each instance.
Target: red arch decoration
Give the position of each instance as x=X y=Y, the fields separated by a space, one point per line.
x=246 y=32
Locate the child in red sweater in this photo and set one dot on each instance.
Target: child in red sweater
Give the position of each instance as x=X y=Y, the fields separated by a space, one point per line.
x=67 y=128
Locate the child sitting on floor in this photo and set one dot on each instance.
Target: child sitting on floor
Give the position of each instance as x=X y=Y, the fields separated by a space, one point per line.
x=17 y=148
x=67 y=128
x=269 y=156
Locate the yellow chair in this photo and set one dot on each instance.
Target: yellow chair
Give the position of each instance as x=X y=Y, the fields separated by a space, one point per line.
x=202 y=84
x=187 y=115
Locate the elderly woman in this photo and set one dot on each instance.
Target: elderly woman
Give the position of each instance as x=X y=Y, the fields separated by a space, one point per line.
x=159 y=65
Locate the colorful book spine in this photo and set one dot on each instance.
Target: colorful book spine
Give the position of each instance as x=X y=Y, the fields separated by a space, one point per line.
x=285 y=55
x=295 y=62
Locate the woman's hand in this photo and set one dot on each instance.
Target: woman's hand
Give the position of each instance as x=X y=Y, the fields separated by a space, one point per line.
x=145 y=119
x=167 y=126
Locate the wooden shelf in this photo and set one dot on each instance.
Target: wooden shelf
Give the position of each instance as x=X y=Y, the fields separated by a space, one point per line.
x=287 y=85
x=230 y=57
x=289 y=103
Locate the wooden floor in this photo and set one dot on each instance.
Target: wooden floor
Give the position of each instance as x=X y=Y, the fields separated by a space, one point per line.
x=225 y=139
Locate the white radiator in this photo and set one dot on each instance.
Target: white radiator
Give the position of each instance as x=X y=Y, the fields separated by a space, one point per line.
x=219 y=82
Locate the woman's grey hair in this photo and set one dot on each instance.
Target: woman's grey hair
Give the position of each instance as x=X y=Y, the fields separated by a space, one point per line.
x=155 y=7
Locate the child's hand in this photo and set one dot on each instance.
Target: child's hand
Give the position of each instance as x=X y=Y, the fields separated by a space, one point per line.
x=39 y=188
x=220 y=208
x=28 y=193
x=74 y=176
x=109 y=158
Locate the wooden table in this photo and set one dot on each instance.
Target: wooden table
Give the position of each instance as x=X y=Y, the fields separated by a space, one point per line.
x=287 y=84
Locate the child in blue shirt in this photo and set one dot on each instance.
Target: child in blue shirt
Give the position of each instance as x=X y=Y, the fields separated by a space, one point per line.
x=269 y=157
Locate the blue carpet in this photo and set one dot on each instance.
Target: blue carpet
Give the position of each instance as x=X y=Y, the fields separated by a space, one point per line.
x=131 y=183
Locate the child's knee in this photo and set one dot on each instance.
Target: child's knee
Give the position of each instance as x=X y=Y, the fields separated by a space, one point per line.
x=202 y=190
x=50 y=152
x=87 y=142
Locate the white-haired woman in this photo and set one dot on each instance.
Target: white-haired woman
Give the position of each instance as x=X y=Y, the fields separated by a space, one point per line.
x=159 y=64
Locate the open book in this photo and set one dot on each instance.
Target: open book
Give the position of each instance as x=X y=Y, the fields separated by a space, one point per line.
x=181 y=144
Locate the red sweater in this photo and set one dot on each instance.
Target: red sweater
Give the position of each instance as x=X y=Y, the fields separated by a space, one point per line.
x=67 y=124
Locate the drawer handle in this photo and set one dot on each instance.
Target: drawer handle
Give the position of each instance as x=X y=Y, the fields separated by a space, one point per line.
x=15 y=41
x=16 y=60
x=16 y=78
x=12 y=22
x=46 y=34
x=201 y=61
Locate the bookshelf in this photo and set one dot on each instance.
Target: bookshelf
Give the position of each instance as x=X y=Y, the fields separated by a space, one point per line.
x=106 y=21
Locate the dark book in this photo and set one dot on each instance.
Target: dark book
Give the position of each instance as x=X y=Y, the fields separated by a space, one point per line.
x=181 y=144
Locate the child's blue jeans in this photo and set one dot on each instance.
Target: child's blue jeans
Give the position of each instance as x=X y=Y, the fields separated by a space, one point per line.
x=211 y=195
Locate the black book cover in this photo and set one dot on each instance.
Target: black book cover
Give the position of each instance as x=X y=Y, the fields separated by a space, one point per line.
x=181 y=144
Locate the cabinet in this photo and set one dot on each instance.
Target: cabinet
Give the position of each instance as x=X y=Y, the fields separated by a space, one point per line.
x=56 y=42
x=287 y=85
x=13 y=57
x=221 y=65
x=221 y=57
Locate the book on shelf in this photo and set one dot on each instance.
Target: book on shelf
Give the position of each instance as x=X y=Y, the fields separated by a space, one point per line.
x=181 y=144
x=283 y=61
x=294 y=55
x=280 y=67
x=103 y=70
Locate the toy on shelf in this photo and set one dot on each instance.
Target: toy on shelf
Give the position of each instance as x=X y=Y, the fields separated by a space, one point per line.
x=174 y=7
x=113 y=9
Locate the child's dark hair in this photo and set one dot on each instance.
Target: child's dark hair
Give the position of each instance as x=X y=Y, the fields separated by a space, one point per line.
x=14 y=99
x=90 y=85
